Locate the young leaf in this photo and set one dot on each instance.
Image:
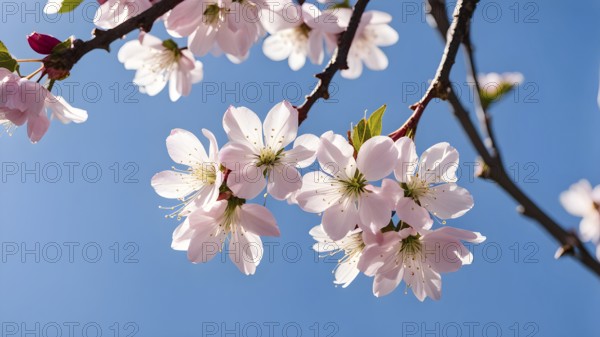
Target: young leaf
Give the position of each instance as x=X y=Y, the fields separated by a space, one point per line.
x=375 y=123
x=69 y=5
x=360 y=134
x=3 y=48
x=489 y=97
x=8 y=62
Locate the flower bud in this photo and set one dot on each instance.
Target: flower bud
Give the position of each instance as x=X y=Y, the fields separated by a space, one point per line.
x=41 y=43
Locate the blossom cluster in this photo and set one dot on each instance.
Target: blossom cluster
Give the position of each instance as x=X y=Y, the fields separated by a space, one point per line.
x=378 y=203
x=296 y=32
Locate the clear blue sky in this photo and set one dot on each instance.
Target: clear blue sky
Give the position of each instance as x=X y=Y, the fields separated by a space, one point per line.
x=514 y=285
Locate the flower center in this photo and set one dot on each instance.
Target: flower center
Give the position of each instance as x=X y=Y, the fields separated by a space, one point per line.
x=411 y=246
x=206 y=174
x=268 y=157
x=415 y=188
x=230 y=216
x=354 y=186
x=164 y=61
x=352 y=246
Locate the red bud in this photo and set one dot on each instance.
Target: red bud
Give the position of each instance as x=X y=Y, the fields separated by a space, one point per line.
x=41 y=43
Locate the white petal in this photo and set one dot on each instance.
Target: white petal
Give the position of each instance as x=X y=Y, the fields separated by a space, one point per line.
x=172 y=185
x=413 y=214
x=340 y=218
x=407 y=159
x=376 y=59
x=590 y=227
x=309 y=142
x=384 y=284
x=283 y=181
x=447 y=201
x=276 y=48
x=243 y=125
x=318 y=192
x=246 y=183
x=439 y=163
x=245 y=251
x=185 y=148
x=281 y=125
x=577 y=200
x=346 y=272
x=182 y=236
x=377 y=157
x=385 y=35
x=335 y=160
x=375 y=210
x=258 y=220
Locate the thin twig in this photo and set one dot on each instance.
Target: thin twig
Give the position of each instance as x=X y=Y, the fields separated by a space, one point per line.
x=339 y=61
x=570 y=242
x=441 y=83
x=103 y=38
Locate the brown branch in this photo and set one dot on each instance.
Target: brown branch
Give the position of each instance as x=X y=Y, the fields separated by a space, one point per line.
x=339 y=61
x=570 y=242
x=485 y=119
x=103 y=38
x=441 y=83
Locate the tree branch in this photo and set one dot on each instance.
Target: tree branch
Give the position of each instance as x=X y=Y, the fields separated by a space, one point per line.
x=103 y=38
x=570 y=242
x=441 y=83
x=339 y=61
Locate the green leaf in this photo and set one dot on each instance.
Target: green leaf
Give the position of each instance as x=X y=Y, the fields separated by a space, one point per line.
x=8 y=62
x=69 y=5
x=374 y=122
x=487 y=98
x=3 y=47
x=66 y=44
x=360 y=134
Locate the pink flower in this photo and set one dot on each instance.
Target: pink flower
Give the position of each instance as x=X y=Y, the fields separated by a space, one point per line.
x=197 y=185
x=157 y=62
x=418 y=259
x=227 y=26
x=373 y=32
x=256 y=152
x=582 y=201
x=111 y=13
x=204 y=233
x=343 y=192
x=23 y=101
x=298 y=32
x=427 y=185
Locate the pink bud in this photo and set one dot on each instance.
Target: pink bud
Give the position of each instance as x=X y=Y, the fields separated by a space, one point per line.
x=102 y=1
x=41 y=43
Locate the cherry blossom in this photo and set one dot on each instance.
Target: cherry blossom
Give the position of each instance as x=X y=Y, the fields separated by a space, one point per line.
x=197 y=185
x=157 y=62
x=418 y=259
x=492 y=82
x=297 y=32
x=114 y=12
x=24 y=101
x=373 y=32
x=582 y=201
x=427 y=185
x=206 y=231
x=351 y=245
x=227 y=26
x=257 y=152
x=342 y=192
